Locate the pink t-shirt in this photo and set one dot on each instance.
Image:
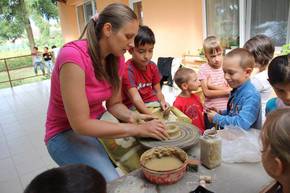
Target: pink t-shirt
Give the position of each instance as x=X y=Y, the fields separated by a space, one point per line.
x=217 y=78
x=97 y=91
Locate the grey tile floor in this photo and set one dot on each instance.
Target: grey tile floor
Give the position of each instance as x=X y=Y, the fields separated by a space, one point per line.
x=23 y=154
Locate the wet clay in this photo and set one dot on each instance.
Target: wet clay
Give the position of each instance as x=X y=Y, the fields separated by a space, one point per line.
x=164 y=163
x=163 y=158
x=173 y=131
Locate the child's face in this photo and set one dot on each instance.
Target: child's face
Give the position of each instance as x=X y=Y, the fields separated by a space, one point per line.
x=45 y=50
x=282 y=91
x=234 y=74
x=192 y=83
x=142 y=54
x=215 y=60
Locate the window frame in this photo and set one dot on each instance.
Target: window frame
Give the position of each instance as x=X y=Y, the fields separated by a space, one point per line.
x=82 y=4
x=244 y=22
x=131 y=5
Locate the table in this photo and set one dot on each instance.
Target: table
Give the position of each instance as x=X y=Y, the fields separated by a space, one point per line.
x=228 y=178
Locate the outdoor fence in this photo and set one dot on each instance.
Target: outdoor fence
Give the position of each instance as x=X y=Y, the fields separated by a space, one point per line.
x=16 y=70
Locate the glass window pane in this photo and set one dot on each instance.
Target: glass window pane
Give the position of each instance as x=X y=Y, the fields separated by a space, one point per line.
x=81 y=18
x=137 y=7
x=88 y=11
x=270 y=17
x=222 y=20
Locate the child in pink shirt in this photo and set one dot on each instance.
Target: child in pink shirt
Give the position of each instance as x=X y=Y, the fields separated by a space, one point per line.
x=211 y=76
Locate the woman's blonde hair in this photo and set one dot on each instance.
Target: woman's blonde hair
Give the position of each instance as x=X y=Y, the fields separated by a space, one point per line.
x=117 y=15
x=276 y=134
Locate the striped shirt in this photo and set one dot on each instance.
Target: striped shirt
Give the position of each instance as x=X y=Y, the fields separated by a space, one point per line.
x=217 y=79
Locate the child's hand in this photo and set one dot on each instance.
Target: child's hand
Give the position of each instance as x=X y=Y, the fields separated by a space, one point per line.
x=211 y=109
x=140 y=118
x=211 y=114
x=164 y=105
x=228 y=90
x=208 y=81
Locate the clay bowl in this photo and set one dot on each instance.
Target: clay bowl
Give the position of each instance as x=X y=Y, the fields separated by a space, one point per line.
x=161 y=175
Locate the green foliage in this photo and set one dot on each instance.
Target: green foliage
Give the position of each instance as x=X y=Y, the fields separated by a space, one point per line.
x=45 y=8
x=285 y=49
x=10 y=31
x=14 y=15
x=11 y=26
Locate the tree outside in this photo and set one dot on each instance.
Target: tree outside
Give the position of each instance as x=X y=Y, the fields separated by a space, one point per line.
x=23 y=25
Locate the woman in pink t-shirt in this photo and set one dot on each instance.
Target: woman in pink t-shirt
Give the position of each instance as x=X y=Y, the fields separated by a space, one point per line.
x=87 y=73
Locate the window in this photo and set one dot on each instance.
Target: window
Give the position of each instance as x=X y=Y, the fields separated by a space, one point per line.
x=222 y=20
x=136 y=6
x=235 y=21
x=84 y=12
x=269 y=17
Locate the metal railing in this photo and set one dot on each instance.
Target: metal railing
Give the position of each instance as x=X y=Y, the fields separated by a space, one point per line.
x=10 y=67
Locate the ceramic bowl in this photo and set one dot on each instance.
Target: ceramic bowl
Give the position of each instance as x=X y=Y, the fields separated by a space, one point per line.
x=164 y=176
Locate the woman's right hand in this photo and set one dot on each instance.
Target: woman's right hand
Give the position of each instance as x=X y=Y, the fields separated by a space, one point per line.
x=154 y=129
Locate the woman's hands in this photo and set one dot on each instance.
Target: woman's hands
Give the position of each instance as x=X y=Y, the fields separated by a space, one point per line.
x=149 y=126
x=155 y=129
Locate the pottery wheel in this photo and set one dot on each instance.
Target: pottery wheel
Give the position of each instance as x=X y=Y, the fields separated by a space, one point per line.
x=189 y=136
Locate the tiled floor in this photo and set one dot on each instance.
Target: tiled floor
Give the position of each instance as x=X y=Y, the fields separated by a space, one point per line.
x=23 y=154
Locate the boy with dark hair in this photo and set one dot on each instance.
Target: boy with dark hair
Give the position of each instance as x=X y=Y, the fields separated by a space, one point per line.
x=262 y=49
x=244 y=105
x=76 y=178
x=279 y=78
x=47 y=57
x=141 y=81
x=188 y=102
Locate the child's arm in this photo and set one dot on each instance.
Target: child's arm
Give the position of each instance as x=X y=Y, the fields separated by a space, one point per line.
x=209 y=93
x=160 y=96
x=245 y=117
x=137 y=100
x=217 y=87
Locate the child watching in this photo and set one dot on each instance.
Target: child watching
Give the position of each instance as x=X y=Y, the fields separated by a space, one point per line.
x=141 y=78
x=47 y=57
x=75 y=178
x=211 y=76
x=262 y=49
x=279 y=78
x=275 y=137
x=37 y=61
x=244 y=105
x=186 y=101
